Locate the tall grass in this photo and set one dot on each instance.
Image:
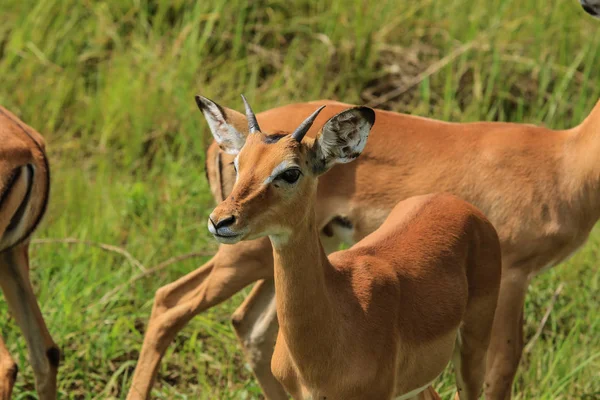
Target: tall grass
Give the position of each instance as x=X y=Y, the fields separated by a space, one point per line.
x=110 y=84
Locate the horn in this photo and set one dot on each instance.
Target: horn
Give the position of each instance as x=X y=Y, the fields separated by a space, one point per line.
x=305 y=126
x=252 y=122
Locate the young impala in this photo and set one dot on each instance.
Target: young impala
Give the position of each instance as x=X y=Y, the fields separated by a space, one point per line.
x=24 y=188
x=382 y=319
x=540 y=188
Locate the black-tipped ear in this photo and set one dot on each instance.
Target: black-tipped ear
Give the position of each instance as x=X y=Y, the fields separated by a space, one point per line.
x=229 y=139
x=591 y=7
x=343 y=137
x=367 y=113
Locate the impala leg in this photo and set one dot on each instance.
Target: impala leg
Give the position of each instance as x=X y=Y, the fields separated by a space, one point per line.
x=8 y=372
x=256 y=326
x=472 y=343
x=167 y=318
x=229 y=271
x=44 y=355
x=428 y=394
x=506 y=344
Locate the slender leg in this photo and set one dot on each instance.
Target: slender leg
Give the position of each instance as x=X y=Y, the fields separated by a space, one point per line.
x=229 y=271
x=256 y=326
x=473 y=340
x=43 y=352
x=472 y=344
x=506 y=344
x=8 y=372
x=428 y=394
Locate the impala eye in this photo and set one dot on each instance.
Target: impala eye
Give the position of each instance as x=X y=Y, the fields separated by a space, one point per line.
x=290 y=175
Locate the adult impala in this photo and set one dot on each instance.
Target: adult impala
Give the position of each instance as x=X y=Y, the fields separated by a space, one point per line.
x=381 y=319
x=24 y=189
x=539 y=187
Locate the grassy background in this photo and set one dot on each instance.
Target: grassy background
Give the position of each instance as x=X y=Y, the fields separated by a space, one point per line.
x=110 y=85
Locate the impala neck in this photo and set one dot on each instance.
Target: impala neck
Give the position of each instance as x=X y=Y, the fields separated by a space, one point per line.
x=304 y=303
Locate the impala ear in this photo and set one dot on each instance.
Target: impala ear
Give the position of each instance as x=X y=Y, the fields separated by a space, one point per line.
x=342 y=138
x=228 y=127
x=591 y=7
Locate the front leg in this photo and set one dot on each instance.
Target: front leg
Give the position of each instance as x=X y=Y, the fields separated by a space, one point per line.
x=506 y=344
x=284 y=371
x=174 y=305
x=44 y=355
x=256 y=326
x=228 y=272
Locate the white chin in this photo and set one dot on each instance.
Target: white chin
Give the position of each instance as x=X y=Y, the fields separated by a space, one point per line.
x=228 y=239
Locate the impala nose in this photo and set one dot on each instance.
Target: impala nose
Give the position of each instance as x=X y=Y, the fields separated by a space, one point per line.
x=221 y=227
x=224 y=222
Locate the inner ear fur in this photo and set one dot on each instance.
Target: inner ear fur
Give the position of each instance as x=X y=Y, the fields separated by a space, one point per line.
x=342 y=138
x=229 y=128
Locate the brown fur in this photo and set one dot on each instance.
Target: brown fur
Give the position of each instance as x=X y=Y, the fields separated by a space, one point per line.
x=24 y=190
x=379 y=320
x=539 y=187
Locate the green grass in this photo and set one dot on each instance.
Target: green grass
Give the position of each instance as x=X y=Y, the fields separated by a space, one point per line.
x=111 y=85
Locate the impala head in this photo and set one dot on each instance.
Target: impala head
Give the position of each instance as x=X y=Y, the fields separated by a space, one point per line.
x=592 y=7
x=277 y=174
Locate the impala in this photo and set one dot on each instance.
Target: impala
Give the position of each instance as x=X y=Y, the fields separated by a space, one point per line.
x=381 y=319
x=24 y=189
x=540 y=188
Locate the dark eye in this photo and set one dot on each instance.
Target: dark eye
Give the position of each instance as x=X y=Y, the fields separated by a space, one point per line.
x=290 y=176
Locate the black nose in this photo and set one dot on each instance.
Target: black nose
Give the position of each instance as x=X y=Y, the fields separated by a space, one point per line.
x=225 y=222
x=589 y=10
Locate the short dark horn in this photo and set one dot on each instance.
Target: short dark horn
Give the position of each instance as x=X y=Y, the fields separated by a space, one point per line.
x=252 y=122
x=305 y=126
